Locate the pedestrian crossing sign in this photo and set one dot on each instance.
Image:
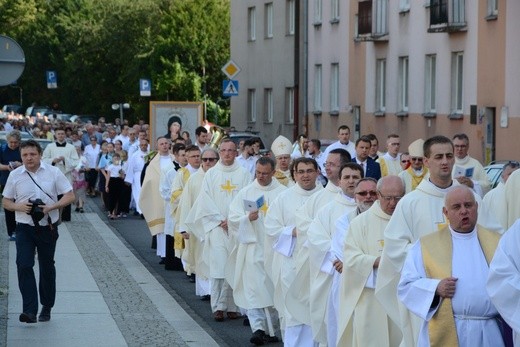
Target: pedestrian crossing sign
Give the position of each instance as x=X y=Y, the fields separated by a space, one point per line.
x=230 y=88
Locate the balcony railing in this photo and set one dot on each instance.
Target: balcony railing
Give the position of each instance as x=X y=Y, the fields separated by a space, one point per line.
x=447 y=15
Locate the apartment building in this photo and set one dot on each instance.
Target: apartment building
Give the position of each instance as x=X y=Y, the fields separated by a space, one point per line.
x=265 y=44
x=413 y=67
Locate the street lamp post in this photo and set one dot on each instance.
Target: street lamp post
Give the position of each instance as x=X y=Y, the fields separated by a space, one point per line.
x=120 y=107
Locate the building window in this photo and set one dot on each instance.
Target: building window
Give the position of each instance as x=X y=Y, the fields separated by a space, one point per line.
x=291 y=17
x=251 y=105
x=334 y=11
x=268 y=20
x=447 y=12
x=492 y=8
x=364 y=17
x=380 y=85
x=317 y=88
x=380 y=17
x=457 y=78
x=317 y=11
x=334 y=87
x=289 y=105
x=403 y=84
x=251 y=27
x=404 y=5
x=268 y=105
x=429 y=83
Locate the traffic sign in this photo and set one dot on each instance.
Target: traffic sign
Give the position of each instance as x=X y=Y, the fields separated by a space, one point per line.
x=12 y=60
x=145 y=87
x=231 y=69
x=230 y=87
x=52 y=80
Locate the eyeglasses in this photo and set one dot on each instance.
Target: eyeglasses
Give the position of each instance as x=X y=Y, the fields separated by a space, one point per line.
x=417 y=159
x=405 y=161
x=209 y=159
x=390 y=198
x=303 y=172
x=365 y=193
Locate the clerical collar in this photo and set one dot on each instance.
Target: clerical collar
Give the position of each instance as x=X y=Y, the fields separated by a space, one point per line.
x=442 y=190
x=462 y=235
x=61 y=144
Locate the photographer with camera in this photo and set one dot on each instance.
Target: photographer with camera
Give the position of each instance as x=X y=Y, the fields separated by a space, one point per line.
x=35 y=187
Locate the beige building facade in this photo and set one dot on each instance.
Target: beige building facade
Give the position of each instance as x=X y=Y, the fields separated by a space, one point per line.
x=413 y=67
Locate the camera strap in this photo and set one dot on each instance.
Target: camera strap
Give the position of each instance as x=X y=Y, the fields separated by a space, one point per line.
x=49 y=221
x=39 y=186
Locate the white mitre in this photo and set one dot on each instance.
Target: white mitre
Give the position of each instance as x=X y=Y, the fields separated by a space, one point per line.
x=416 y=148
x=281 y=146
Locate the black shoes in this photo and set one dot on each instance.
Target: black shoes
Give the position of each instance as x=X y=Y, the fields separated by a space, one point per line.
x=45 y=314
x=206 y=297
x=258 y=338
x=27 y=318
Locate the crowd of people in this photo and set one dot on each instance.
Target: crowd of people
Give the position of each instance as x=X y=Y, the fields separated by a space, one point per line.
x=346 y=247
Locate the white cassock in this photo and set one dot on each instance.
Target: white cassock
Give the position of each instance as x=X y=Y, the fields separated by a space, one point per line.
x=512 y=200
x=503 y=285
x=390 y=165
x=246 y=272
x=495 y=202
x=220 y=185
x=417 y=214
x=298 y=297
x=253 y=290
x=168 y=174
x=472 y=168
x=349 y=147
x=337 y=248
x=411 y=178
x=192 y=254
x=68 y=152
x=133 y=176
x=473 y=310
x=280 y=250
x=177 y=188
x=362 y=320
x=321 y=258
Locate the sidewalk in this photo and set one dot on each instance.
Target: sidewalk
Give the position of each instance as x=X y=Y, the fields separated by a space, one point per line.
x=105 y=296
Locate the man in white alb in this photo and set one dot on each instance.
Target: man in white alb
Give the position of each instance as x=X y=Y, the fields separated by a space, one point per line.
x=417 y=171
x=283 y=242
x=390 y=161
x=343 y=142
x=252 y=289
x=468 y=170
x=361 y=314
x=210 y=212
x=417 y=214
x=444 y=279
x=281 y=148
x=134 y=170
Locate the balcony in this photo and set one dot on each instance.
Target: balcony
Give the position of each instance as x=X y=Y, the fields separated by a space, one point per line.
x=372 y=20
x=447 y=16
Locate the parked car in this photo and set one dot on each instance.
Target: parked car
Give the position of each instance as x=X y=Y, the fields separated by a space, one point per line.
x=12 y=108
x=494 y=171
x=238 y=136
x=24 y=134
x=33 y=110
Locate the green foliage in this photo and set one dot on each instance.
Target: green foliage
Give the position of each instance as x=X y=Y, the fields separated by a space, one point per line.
x=101 y=48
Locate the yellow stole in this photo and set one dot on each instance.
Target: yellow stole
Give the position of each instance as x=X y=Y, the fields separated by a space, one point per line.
x=178 y=240
x=437 y=252
x=280 y=176
x=416 y=179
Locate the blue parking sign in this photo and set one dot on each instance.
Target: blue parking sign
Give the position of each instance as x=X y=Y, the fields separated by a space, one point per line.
x=52 y=80
x=145 y=87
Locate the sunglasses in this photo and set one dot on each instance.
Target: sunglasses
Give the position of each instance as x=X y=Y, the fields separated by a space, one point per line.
x=405 y=161
x=417 y=159
x=371 y=193
x=208 y=159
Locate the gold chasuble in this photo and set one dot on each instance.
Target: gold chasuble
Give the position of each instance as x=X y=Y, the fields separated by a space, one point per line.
x=437 y=251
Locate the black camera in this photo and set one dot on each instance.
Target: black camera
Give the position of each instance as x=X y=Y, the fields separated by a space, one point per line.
x=36 y=211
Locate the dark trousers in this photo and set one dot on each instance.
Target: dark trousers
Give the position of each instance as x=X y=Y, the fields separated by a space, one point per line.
x=171 y=262
x=43 y=239
x=115 y=194
x=91 y=176
x=10 y=221
x=65 y=211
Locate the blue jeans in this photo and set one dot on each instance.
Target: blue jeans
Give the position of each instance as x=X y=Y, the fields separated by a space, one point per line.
x=29 y=239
